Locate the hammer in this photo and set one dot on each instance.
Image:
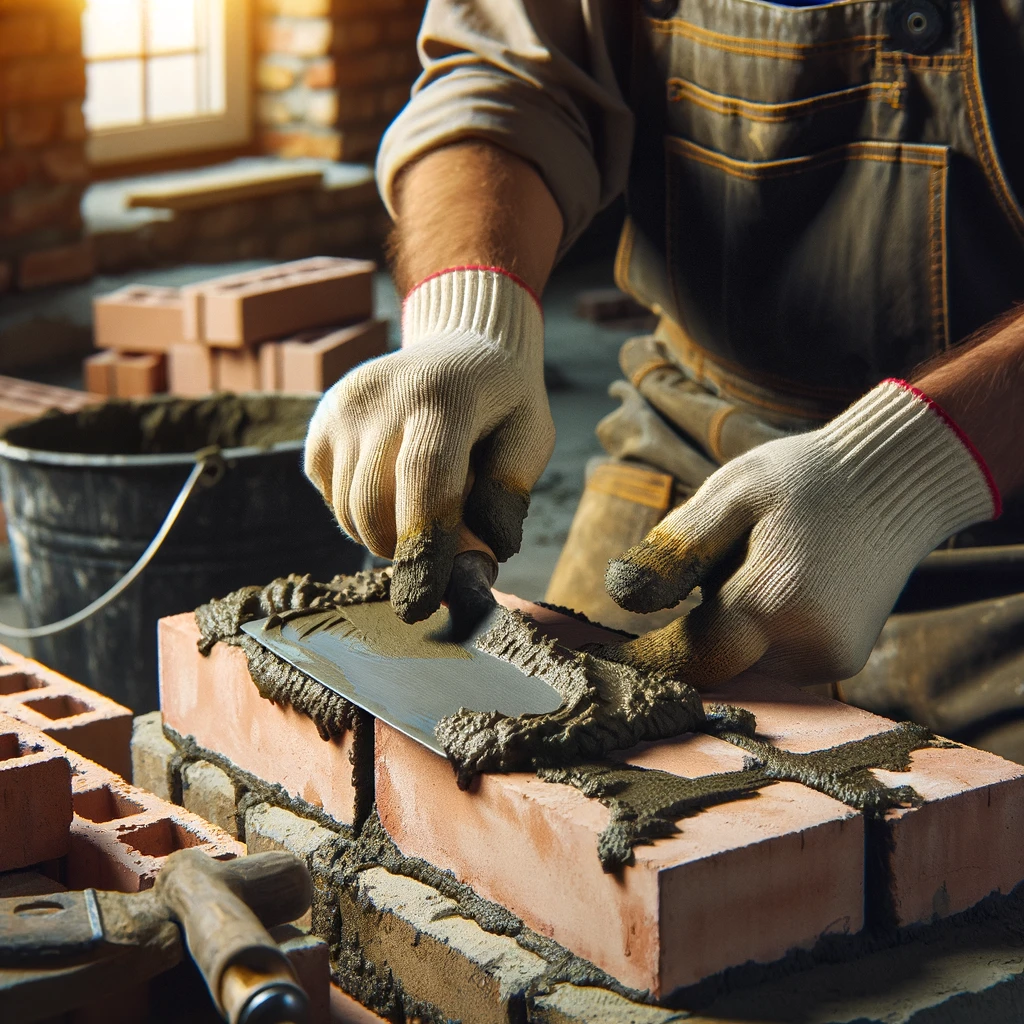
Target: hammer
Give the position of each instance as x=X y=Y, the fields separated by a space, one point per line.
x=57 y=950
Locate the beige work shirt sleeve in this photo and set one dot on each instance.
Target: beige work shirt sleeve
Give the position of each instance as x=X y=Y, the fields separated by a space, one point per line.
x=539 y=78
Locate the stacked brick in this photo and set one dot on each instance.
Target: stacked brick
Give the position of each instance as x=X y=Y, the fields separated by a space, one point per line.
x=331 y=74
x=294 y=327
x=43 y=168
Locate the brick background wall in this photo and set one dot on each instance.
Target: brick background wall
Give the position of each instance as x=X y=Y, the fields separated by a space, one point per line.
x=43 y=169
x=331 y=74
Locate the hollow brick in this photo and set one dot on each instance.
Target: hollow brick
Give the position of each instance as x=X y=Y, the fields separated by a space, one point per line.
x=139 y=376
x=314 y=365
x=35 y=797
x=214 y=700
x=138 y=318
x=88 y=722
x=190 y=370
x=237 y=370
x=98 y=373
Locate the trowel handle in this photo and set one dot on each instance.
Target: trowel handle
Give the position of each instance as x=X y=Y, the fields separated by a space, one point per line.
x=467 y=540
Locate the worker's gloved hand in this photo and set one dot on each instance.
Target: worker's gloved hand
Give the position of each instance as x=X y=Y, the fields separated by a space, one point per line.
x=391 y=444
x=802 y=545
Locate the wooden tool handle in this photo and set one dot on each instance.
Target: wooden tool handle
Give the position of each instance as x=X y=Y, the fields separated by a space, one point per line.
x=241 y=963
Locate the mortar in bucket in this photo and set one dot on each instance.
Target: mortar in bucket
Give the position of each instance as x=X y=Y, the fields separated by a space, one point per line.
x=86 y=494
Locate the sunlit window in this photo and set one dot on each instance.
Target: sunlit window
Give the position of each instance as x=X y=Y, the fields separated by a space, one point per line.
x=164 y=63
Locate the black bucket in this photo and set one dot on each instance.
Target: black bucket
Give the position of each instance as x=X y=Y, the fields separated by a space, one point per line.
x=85 y=492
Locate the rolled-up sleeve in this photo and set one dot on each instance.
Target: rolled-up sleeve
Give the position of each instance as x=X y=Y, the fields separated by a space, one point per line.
x=539 y=78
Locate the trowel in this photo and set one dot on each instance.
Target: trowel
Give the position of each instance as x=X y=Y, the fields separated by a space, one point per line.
x=413 y=675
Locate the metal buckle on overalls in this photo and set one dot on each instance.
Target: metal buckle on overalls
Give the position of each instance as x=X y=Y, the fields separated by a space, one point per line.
x=917 y=26
x=661 y=8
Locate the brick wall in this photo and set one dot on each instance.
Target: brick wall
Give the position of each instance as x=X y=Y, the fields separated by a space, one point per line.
x=43 y=168
x=331 y=74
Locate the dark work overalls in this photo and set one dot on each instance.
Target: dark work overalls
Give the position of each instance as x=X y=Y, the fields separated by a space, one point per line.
x=819 y=198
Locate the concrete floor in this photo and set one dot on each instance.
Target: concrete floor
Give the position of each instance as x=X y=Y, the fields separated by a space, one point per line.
x=581 y=358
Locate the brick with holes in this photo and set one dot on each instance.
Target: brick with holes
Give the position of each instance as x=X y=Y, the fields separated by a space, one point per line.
x=35 y=796
x=138 y=318
x=273 y=302
x=80 y=718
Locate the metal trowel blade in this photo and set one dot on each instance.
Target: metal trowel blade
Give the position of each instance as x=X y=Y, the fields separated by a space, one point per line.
x=410 y=676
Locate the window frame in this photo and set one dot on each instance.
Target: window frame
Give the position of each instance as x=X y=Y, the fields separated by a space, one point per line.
x=232 y=127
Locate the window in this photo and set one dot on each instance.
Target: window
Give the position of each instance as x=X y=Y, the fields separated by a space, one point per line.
x=165 y=76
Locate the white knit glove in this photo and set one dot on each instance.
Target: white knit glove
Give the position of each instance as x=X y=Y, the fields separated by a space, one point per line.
x=391 y=444
x=802 y=545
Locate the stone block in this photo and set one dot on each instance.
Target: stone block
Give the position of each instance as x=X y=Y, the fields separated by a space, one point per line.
x=291 y=144
x=88 y=722
x=273 y=302
x=190 y=370
x=214 y=700
x=208 y=791
x=35 y=797
x=138 y=318
x=320 y=74
x=276 y=73
x=441 y=958
x=274 y=828
x=59 y=265
x=314 y=365
x=577 y=1004
x=297 y=8
x=322 y=107
x=121 y=834
x=153 y=757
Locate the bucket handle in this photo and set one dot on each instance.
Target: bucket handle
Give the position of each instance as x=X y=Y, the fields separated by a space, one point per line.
x=208 y=470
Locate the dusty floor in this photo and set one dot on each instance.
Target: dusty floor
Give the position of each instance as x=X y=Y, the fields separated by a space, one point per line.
x=581 y=358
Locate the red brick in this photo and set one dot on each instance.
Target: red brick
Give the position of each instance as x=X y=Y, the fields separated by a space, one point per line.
x=35 y=797
x=16 y=170
x=243 y=309
x=364 y=68
x=215 y=700
x=41 y=206
x=47 y=78
x=98 y=373
x=964 y=843
x=6 y=276
x=73 y=127
x=694 y=903
x=320 y=74
x=85 y=721
x=353 y=34
x=314 y=365
x=270 y=366
x=60 y=265
x=299 y=37
x=290 y=145
x=190 y=370
x=139 y=376
x=32 y=126
x=237 y=370
x=404 y=28
x=24 y=35
x=25 y=399
x=121 y=835
x=138 y=318
x=66 y=162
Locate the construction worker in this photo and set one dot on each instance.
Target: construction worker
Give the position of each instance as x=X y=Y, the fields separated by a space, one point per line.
x=822 y=207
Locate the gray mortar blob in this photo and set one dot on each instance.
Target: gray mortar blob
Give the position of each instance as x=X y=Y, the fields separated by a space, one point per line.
x=160 y=425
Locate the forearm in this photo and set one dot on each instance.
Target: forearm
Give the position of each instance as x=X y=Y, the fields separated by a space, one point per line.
x=982 y=388
x=473 y=204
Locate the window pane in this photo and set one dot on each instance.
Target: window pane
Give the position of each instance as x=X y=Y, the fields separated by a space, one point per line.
x=172 y=25
x=172 y=87
x=216 y=85
x=112 y=28
x=113 y=93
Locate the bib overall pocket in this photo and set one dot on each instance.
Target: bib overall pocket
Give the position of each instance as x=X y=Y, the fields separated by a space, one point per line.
x=828 y=270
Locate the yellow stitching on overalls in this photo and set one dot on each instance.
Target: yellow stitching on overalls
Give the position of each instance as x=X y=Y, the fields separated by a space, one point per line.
x=942 y=62
x=715 y=432
x=854 y=151
x=937 y=240
x=981 y=130
x=746 y=46
x=646 y=369
x=944 y=243
x=754 y=111
x=624 y=254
